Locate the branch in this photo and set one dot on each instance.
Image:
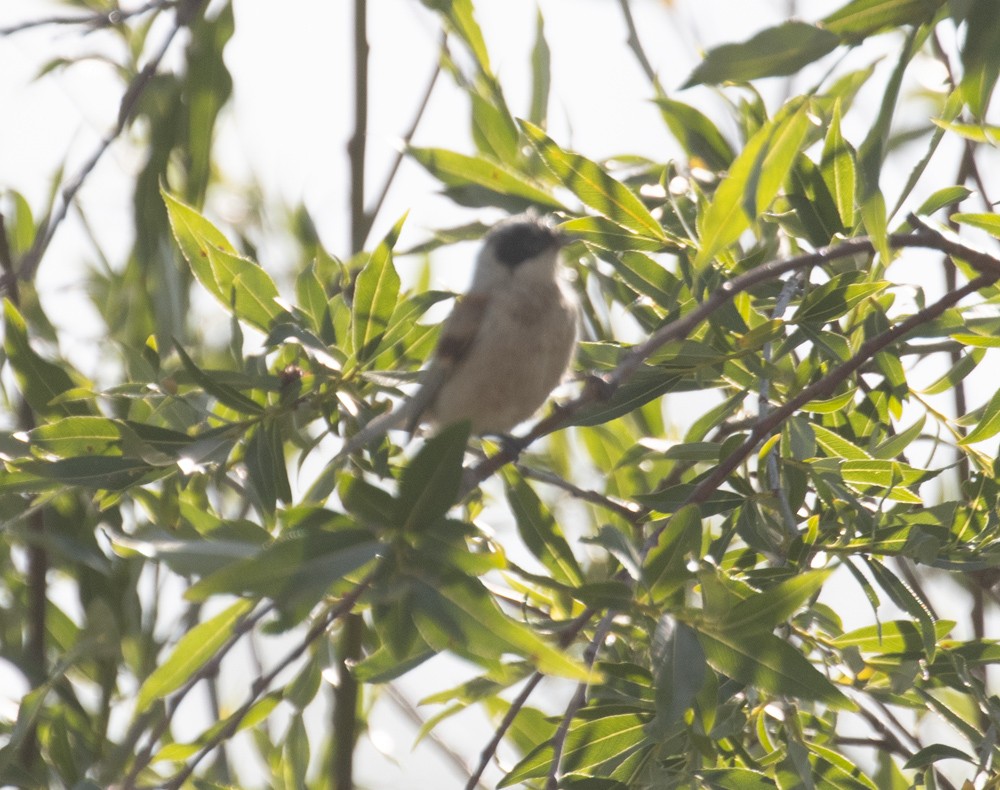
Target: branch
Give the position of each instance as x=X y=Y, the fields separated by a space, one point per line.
x=340 y=609
x=94 y=21
x=207 y=670
x=821 y=389
x=577 y=700
x=407 y=708
x=565 y=639
x=47 y=229
x=636 y=46
x=600 y=388
x=630 y=511
x=407 y=138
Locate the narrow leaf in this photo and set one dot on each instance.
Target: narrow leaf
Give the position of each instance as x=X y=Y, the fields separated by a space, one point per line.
x=774 y=52
x=190 y=653
x=592 y=184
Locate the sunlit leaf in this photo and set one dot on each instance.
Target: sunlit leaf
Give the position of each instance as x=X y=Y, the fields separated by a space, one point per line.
x=773 y=52
x=593 y=185
x=190 y=653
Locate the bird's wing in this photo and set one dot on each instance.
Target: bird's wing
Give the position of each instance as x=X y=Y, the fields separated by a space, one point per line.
x=457 y=336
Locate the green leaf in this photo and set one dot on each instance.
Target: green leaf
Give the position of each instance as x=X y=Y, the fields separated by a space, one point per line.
x=895 y=636
x=540 y=532
x=241 y=286
x=735 y=779
x=774 y=52
x=191 y=652
x=209 y=381
x=838 y=168
x=861 y=18
x=698 y=136
x=665 y=569
x=39 y=380
x=647 y=384
x=593 y=747
x=680 y=673
x=988 y=222
x=457 y=170
x=946 y=196
x=608 y=235
x=989 y=423
x=311 y=295
x=907 y=600
x=375 y=296
x=592 y=184
x=460 y=18
x=300 y=567
x=753 y=181
x=765 y=610
x=79 y=436
x=668 y=500
x=431 y=481
x=980 y=58
x=265 y=461
x=976 y=132
x=493 y=130
x=649 y=278
x=837 y=446
x=931 y=754
x=770 y=664
x=461 y=616
x=837 y=296
x=541 y=76
x=103 y=472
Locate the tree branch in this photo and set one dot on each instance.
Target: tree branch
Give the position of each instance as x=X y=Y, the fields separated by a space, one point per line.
x=340 y=609
x=94 y=21
x=565 y=639
x=600 y=388
x=47 y=228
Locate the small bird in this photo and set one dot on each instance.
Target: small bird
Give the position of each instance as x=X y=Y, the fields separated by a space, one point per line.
x=506 y=344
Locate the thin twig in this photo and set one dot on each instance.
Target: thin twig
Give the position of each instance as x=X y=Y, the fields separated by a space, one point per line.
x=407 y=138
x=630 y=511
x=636 y=46
x=95 y=21
x=211 y=667
x=410 y=711
x=338 y=610
x=576 y=701
x=821 y=389
x=565 y=639
x=602 y=388
x=48 y=227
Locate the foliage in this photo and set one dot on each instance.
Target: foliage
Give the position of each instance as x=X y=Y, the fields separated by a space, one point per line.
x=696 y=590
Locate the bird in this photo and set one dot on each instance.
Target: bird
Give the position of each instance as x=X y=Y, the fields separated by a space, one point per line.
x=507 y=343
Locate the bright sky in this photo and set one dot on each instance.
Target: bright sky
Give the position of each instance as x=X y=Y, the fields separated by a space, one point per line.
x=287 y=129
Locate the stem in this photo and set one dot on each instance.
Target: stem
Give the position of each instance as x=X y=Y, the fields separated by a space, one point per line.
x=345 y=705
x=357 y=144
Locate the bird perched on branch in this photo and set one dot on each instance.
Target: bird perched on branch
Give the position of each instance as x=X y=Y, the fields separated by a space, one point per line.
x=506 y=344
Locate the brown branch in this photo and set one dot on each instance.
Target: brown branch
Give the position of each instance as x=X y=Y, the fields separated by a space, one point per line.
x=94 y=21
x=576 y=702
x=338 y=610
x=822 y=389
x=565 y=639
x=630 y=511
x=635 y=45
x=207 y=670
x=603 y=387
x=130 y=99
x=407 y=138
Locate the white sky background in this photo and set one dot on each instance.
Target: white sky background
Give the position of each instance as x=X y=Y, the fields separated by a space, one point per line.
x=287 y=130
